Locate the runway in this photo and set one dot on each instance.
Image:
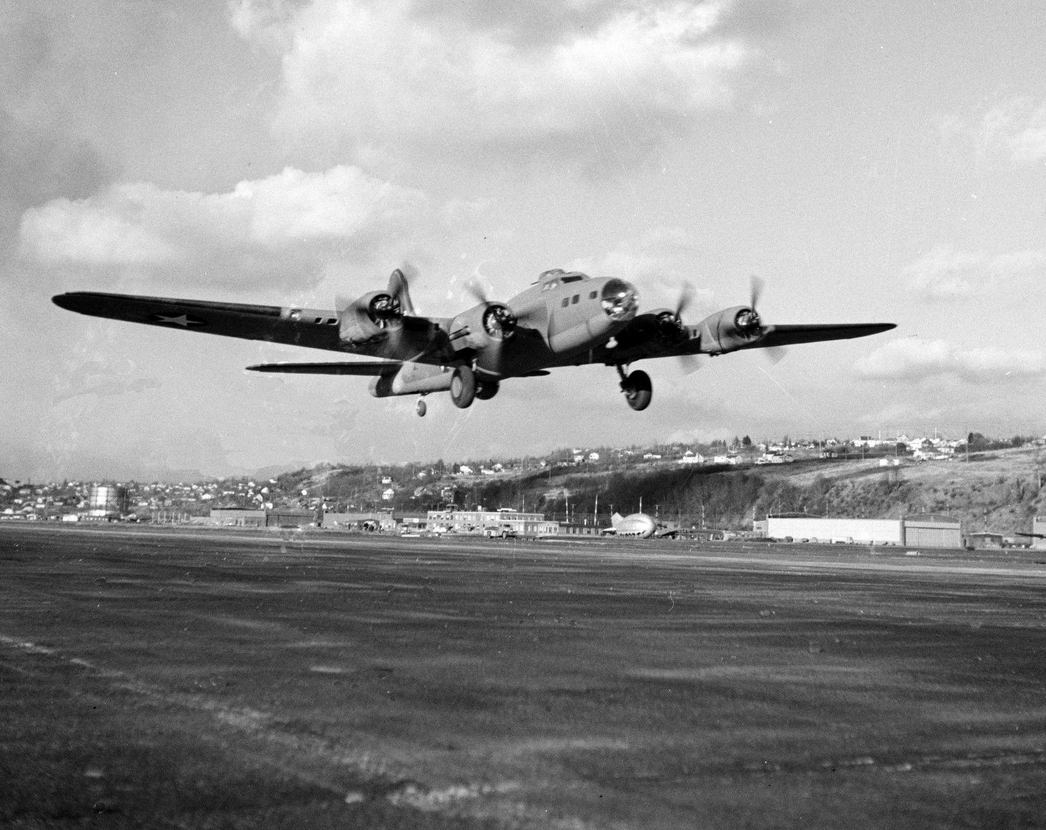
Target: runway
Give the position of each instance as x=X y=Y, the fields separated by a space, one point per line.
x=219 y=679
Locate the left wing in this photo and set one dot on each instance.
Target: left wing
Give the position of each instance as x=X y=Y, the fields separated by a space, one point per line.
x=661 y=333
x=788 y=335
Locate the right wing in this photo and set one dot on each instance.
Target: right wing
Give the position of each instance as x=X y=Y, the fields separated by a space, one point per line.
x=275 y=324
x=416 y=338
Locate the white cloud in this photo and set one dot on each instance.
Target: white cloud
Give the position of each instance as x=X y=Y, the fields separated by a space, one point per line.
x=285 y=218
x=1016 y=128
x=659 y=262
x=1012 y=132
x=369 y=76
x=946 y=273
x=915 y=359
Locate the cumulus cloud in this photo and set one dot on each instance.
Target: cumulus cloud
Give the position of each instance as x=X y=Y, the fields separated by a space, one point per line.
x=1012 y=131
x=278 y=224
x=367 y=76
x=946 y=273
x=915 y=359
x=660 y=261
x=95 y=377
x=1017 y=128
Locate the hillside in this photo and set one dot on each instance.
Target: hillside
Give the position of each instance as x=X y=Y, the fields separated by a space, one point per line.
x=1000 y=490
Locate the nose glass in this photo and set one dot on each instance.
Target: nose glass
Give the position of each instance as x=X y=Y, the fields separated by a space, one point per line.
x=619 y=300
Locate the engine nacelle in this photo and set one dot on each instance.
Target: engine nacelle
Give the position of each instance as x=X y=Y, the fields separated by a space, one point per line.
x=482 y=326
x=413 y=379
x=369 y=317
x=729 y=330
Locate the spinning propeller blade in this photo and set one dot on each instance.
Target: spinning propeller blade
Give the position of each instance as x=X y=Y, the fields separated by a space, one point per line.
x=774 y=354
x=686 y=297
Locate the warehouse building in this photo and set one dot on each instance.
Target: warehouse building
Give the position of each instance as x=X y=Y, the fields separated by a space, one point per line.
x=914 y=532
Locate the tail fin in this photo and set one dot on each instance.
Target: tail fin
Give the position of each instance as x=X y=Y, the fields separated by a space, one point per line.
x=616 y=519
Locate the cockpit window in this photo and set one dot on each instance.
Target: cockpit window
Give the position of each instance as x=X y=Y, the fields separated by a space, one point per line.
x=555 y=276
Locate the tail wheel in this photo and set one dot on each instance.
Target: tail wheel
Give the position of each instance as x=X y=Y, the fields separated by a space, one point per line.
x=638 y=390
x=463 y=387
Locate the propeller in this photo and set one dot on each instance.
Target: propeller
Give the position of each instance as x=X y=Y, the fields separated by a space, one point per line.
x=689 y=363
x=756 y=290
x=399 y=285
x=686 y=298
x=754 y=323
x=499 y=319
x=386 y=309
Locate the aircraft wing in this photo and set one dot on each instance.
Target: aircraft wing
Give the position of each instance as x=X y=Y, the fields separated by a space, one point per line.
x=787 y=335
x=371 y=368
x=652 y=335
x=275 y=324
x=420 y=338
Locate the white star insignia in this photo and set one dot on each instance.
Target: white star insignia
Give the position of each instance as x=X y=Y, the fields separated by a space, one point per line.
x=181 y=320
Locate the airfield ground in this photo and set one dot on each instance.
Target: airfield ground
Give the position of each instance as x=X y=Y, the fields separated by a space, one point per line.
x=237 y=680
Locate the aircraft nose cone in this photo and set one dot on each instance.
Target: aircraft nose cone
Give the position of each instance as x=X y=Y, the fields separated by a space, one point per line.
x=619 y=299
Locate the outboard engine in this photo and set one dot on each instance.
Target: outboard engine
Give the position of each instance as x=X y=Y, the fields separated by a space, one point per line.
x=371 y=316
x=730 y=329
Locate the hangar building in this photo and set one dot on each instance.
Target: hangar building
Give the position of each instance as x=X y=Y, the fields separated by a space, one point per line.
x=1038 y=527
x=918 y=531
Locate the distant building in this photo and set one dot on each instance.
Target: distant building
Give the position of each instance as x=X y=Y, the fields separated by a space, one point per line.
x=478 y=521
x=1038 y=528
x=913 y=532
x=932 y=531
x=984 y=541
x=853 y=531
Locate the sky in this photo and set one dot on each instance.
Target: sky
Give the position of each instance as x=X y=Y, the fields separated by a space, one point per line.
x=879 y=162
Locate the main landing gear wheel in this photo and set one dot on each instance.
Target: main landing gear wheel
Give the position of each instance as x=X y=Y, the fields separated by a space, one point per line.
x=422 y=408
x=637 y=388
x=463 y=387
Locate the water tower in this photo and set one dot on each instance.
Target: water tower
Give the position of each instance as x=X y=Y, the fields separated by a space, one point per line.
x=108 y=501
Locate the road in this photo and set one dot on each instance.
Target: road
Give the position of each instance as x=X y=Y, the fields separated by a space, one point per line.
x=220 y=679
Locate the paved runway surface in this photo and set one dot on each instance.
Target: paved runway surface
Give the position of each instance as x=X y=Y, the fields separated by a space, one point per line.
x=215 y=679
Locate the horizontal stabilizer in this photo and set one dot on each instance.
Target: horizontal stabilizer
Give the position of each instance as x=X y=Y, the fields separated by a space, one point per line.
x=378 y=368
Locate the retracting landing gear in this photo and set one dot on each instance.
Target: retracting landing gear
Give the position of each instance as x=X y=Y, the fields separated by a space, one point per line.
x=637 y=388
x=463 y=387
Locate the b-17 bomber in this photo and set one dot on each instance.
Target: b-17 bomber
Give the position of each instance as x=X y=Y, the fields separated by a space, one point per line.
x=565 y=318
